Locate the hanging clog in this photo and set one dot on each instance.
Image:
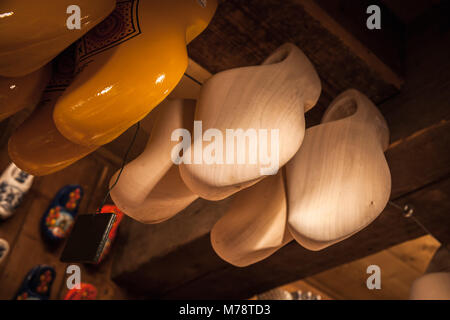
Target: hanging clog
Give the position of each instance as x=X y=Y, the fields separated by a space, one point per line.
x=339 y=180
x=34 y=32
x=38 y=147
x=128 y=65
x=24 y=92
x=259 y=112
x=255 y=224
x=150 y=188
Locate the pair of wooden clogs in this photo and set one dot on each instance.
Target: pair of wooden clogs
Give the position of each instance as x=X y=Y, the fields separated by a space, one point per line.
x=335 y=179
x=125 y=66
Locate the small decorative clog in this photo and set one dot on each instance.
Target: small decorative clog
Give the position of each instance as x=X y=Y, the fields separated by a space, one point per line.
x=58 y=220
x=86 y=292
x=4 y=250
x=34 y=32
x=37 y=284
x=109 y=208
x=14 y=184
x=128 y=65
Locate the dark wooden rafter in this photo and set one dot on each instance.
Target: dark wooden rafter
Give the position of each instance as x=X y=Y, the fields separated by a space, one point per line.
x=244 y=33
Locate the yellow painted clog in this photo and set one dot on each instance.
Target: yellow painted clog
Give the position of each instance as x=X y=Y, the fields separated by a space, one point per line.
x=38 y=148
x=128 y=65
x=34 y=32
x=23 y=92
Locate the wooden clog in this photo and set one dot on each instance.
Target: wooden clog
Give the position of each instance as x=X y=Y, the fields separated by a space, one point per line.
x=128 y=65
x=38 y=148
x=14 y=185
x=58 y=219
x=37 y=284
x=339 y=180
x=272 y=98
x=24 y=92
x=255 y=225
x=34 y=32
x=150 y=189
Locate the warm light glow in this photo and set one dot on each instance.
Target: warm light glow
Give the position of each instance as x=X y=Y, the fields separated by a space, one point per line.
x=104 y=91
x=160 y=78
x=12 y=86
x=6 y=14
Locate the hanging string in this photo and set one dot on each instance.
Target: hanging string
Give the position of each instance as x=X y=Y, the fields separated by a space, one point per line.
x=408 y=212
x=138 y=125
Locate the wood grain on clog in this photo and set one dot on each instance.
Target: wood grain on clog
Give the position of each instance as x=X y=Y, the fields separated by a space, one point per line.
x=150 y=188
x=272 y=96
x=339 y=180
x=255 y=225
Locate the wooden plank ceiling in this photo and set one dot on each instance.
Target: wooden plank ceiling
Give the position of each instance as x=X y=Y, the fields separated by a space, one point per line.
x=244 y=33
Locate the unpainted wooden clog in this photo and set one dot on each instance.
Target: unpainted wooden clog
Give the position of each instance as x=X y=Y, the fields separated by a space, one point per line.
x=150 y=188
x=255 y=224
x=339 y=180
x=259 y=112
